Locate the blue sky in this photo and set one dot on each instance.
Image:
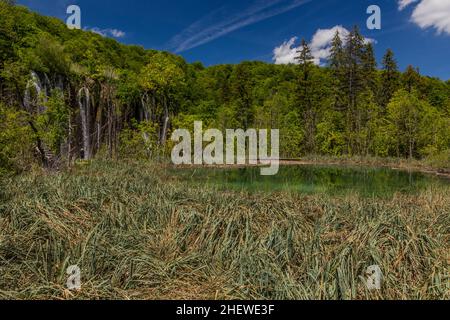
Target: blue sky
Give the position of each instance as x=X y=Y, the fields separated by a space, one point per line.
x=219 y=31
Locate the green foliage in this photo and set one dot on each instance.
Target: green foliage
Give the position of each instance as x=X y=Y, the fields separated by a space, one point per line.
x=440 y=160
x=419 y=128
x=434 y=134
x=186 y=121
x=49 y=56
x=384 y=142
x=390 y=78
x=241 y=88
x=52 y=124
x=15 y=141
x=291 y=135
x=330 y=137
x=138 y=141
x=162 y=75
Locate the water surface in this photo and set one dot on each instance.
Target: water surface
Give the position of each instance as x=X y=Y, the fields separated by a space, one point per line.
x=312 y=179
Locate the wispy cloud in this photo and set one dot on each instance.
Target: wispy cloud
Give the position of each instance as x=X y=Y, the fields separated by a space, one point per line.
x=108 y=32
x=220 y=22
x=402 y=4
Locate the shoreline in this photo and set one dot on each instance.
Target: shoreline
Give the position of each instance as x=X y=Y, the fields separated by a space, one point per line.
x=400 y=167
x=367 y=163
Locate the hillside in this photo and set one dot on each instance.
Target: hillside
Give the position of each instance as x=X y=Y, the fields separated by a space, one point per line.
x=74 y=94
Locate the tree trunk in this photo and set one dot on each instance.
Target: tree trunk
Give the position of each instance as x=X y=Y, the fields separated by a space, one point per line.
x=85 y=128
x=99 y=126
x=165 y=124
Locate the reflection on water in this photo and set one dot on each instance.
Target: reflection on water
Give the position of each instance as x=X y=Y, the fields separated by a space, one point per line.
x=313 y=179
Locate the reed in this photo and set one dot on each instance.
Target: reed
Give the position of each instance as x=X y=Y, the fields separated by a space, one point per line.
x=137 y=232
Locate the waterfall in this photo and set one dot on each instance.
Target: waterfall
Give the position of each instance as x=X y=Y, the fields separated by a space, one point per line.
x=59 y=83
x=166 y=123
x=46 y=85
x=84 y=105
x=36 y=94
x=145 y=116
x=31 y=102
x=145 y=106
x=165 y=128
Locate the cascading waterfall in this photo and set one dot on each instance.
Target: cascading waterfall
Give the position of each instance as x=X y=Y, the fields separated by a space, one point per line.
x=147 y=117
x=84 y=104
x=146 y=106
x=36 y=104
x=166 y=120
x=165 y=128
x=31 y=102
x=59 y=83
x=47 y=85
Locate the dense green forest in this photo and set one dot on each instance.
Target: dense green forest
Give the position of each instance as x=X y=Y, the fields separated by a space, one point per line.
x=71 y=94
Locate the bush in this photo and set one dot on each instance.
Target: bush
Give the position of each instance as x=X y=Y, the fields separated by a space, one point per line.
x=15 y=141
x=440 y=160
x=138 y=141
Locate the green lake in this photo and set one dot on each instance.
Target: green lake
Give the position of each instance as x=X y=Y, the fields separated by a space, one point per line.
x=313 y=179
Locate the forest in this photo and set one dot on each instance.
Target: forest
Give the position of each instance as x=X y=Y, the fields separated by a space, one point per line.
x=73 y=94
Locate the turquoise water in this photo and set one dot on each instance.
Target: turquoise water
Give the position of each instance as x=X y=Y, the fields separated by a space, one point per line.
x=312 y=179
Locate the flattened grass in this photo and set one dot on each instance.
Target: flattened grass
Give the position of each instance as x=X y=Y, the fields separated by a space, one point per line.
x=138 y=233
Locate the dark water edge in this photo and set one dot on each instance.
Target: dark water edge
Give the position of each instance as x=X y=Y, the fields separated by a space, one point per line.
x=313 y=179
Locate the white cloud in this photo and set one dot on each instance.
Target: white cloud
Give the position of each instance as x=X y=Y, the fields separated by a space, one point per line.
x=402 y=4
x=433 y=14
x=285 y=53
x=108 y=32
x=320 y=46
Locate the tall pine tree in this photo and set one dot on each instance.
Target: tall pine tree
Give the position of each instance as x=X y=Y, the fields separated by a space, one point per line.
x=411 y=78
x=336 y=64
x=305 y=94
x=355 y=83
x=389 y=77
x=369 y=65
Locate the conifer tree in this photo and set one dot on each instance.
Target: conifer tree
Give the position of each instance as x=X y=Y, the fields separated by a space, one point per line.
x=337 y=54
x=390 y=78
x=305 y=87
x=411 y=78
x=336 y=64
x=354 y=81
x=353 y=70
x=369 y=65
x=304 y=59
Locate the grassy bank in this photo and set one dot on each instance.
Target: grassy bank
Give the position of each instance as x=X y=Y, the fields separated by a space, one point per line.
x=439 y=165
x=138 y=233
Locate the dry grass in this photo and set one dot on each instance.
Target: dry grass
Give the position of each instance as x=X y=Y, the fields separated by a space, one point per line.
x=137 y=234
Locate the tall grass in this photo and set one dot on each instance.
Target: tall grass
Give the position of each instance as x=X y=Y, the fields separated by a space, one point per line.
x=139 y=233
